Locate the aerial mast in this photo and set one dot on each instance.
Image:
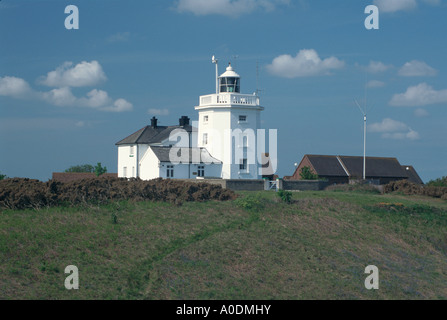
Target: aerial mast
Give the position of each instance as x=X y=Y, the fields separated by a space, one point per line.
x=215 y=61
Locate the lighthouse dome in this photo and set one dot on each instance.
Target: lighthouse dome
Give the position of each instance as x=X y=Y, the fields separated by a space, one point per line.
x=230 y=81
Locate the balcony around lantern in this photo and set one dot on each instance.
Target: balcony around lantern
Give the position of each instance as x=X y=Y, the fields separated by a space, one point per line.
x=229 y=99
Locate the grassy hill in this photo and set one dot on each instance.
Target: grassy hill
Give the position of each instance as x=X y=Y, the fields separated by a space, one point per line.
x=255 y=247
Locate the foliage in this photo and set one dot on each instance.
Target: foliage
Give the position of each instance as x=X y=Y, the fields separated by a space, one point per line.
x=440 y=182
x=99 y=169
x=2 y=176
x=83 y=168
x=409 y=188
x=285 y=196
x=251 y=202
x=307 y=174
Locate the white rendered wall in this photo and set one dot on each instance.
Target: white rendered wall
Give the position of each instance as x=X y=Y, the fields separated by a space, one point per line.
x=125 y=159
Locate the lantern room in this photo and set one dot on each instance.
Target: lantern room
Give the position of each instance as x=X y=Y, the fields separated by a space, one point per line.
x=229 y=81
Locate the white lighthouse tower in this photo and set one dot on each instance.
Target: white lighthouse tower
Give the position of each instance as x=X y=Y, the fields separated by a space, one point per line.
x=228 y=124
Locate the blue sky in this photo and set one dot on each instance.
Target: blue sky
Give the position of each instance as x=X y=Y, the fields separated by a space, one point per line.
x=67 y=96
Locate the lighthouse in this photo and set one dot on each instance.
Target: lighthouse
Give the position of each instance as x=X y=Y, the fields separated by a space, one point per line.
x=228 y=126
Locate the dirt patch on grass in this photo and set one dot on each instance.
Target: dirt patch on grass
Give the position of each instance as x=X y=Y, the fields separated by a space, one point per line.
x=27 y=193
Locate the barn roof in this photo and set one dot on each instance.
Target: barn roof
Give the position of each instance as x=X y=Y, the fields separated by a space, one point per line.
x=412 y=174
x=375 y=167
x=327 y=165
x=162 y=153
x=352 y=166
x=150 y=134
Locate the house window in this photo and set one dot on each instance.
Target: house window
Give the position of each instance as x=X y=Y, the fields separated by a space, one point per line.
x=170 y=172
x=205 y=138
x=132 y=150
x=205 y=118
x=133 y=171
x=242 y=118
x=124 y=171
x=201 y=171
x=243 y=164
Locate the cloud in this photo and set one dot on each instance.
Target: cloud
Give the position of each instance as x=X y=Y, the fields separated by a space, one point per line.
x=231 y=8
x=119 y=105
x=14 y=87
x=158 y=112
x=416 y=68
x=420 y=95
x=421 y=113
x=59 y=97
x=395 y=5
x=81 y=75
x=119 y=37
x=377 y=67
x=306 y=63
x=392 y=129
x=375 y=84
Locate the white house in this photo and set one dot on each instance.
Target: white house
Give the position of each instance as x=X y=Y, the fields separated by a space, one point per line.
x=223 y=146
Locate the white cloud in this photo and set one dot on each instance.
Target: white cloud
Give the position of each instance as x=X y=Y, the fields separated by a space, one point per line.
x=416 y=68
x=119 y=105
x=14 y=87
x=420 y=95
x=377 y=67
x=158 y=112
x=375 y=84
x=80 y=75
x=232 y=8
x=387 y=125
x=59 y=97
x=421 y=113
x=395 y=5
x=392 y=129
x=306 y=63
x=96 y=99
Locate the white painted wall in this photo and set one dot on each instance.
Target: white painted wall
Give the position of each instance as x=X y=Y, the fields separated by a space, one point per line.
x=127 y=160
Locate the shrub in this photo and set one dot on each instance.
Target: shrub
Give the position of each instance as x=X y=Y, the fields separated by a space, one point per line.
x=440 y=182
x=99 y=169
x=251 y=203
x=285 y=196
x=2 y=176
x=81 y=168
x=307 y=174
x=409 y=188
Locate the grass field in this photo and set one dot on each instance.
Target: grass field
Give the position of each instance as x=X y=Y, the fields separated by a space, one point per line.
x=255 y=247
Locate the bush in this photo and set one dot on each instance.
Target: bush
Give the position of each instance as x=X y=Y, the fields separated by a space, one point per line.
x=26 y=193
x=361 y=188
x=251 y=203
x=409 y=188
x=285 y=196
x=2 y=176
x=307 y=174
x=84 y=168
x=440 y=182
x=99 y=169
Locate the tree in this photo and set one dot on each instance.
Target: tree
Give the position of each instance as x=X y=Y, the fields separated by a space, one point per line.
x=81 y=168
x=99 y=169
x=307 y=174
x=439 y=182
x=2 y=176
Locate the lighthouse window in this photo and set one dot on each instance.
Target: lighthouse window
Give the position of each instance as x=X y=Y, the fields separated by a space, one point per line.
x=230 y=84
x=205 y=118
x=242 y=118
x=205 y=138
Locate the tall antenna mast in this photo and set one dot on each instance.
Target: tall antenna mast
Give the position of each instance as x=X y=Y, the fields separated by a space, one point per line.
x=215 y=61
x=363 y=111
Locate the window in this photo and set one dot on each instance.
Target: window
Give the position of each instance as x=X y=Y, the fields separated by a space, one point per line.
x=205 y=138
x=124 y=171
x=243 y=164
x=201 y=171
x=132 y=150
x=170 y=172
x=242 y=118
x=205 y=118
x=133 y=172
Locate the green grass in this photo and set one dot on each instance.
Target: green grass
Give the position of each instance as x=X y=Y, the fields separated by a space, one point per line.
x=256 y=247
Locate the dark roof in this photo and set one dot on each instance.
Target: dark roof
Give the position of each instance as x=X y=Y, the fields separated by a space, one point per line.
x=149 y=134
x=375 y=167
x=412 y=174
x=162 y=153
x=327 y=165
